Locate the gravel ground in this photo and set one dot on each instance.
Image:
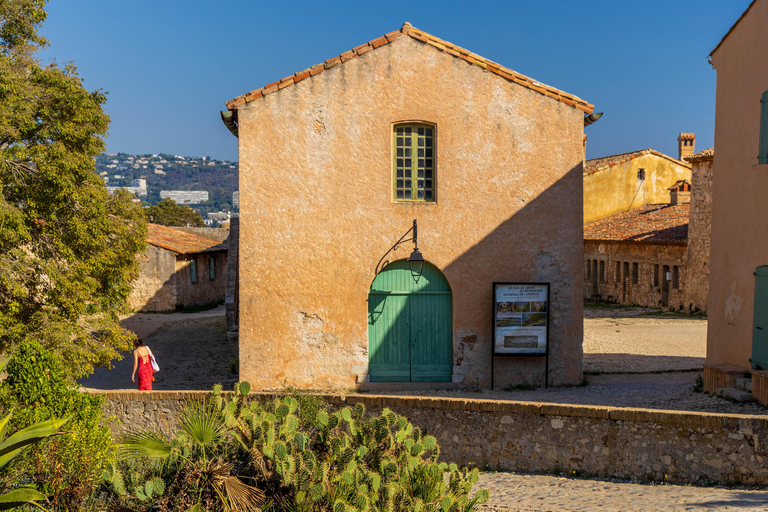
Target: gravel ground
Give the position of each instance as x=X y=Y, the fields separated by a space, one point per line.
x=527 y=493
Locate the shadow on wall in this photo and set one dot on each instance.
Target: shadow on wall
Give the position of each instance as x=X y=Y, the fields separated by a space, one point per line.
x=541 y=242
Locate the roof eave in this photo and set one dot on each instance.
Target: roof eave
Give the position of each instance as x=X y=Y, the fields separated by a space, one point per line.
x=419 y=35
x=731 y=29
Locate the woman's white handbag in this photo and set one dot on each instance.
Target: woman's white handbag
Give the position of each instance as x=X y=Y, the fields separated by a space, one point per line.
x=155 y=367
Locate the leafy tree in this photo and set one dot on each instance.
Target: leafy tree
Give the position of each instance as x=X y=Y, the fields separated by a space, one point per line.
x=168 y=213
x=67 y=248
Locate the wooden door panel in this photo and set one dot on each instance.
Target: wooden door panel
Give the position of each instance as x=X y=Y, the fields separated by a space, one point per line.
x=388 y=333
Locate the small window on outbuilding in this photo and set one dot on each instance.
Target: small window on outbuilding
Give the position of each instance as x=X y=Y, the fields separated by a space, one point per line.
x=675 y=277
x=656 y=275
x=589 y=269
x=641 y=175
x=413 y=162
x=193 y=270
x=602 y=271
x=762 y=157
x=212 y=268
x=635 y=273
x=618 y=271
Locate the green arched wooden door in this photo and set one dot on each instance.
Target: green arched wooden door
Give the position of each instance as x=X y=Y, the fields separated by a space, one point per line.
x=410 y=326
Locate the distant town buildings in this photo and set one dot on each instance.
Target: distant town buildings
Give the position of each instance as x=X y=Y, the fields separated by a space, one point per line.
x=236 y=199
x=185 y=196
x=138 y=187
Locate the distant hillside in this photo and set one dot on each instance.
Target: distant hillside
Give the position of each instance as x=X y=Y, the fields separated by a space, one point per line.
x=173 y=172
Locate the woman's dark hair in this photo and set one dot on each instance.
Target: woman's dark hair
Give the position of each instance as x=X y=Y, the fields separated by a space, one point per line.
x=138 y=342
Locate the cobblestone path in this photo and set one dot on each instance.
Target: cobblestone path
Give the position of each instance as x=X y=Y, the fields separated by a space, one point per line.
x=529 y=493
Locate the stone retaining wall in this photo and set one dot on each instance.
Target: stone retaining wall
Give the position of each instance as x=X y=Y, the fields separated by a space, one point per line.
x=642 y=444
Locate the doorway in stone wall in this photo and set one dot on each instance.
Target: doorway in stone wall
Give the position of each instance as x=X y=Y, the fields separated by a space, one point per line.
x=665 y=286
x=410 y=326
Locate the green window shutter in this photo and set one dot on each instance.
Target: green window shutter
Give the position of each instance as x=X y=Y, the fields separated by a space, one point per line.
x=762 y=157
x=211 y=269
x=413 y=162
x=193 y=271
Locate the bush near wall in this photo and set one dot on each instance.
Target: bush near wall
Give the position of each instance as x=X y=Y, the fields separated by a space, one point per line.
x=68 y=467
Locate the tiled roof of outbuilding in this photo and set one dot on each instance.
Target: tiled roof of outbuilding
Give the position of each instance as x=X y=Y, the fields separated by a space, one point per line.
x=659 y=223
x=419 y=35
x=702 y=156
x=598 y=164
x=180 y=241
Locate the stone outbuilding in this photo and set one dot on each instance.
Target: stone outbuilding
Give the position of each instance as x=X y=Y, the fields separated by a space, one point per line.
x=180 y=268
x=638 y=257
x=336 y=163
x=737 y=328
x=619 y=183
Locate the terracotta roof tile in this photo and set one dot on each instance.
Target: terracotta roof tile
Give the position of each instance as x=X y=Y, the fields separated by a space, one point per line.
x=659 y=223
x=605 y=162
x=422 y=36
x=180 y=241
x=686 y=136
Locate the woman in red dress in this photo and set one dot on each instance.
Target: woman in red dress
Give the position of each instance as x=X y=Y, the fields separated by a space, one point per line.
x=142 y=362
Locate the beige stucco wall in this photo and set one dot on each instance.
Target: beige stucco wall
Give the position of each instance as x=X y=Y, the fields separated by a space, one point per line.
x=610 y=286
x=316 y=213
x=699 y=237
x=155 y=288
x=740 y=189
x=616 y=189
x=205 y=290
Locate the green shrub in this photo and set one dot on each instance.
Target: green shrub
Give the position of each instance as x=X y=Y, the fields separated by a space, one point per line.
x=68 y=466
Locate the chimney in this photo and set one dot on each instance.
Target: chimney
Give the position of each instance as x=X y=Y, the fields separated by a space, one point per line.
x=679 y=193
x=686 y=144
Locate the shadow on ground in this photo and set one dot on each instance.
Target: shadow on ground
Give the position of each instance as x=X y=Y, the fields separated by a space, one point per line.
x=636 y=363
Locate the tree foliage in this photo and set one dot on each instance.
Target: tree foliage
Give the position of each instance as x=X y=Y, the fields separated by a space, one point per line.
x=168 y=213
x=67 y=248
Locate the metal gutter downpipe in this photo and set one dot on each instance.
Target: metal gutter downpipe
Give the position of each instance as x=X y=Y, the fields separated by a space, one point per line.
x=229 y=118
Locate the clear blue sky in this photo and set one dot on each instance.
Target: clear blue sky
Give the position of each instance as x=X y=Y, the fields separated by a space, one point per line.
x=168 y=66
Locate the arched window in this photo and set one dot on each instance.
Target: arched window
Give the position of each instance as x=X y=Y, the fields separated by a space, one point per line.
x=414 y=162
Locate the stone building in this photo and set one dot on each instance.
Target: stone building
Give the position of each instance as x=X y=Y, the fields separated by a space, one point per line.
x=179 y=269
x=737 y=327
x=638 y=257
x=336 y=162
x=619 y=183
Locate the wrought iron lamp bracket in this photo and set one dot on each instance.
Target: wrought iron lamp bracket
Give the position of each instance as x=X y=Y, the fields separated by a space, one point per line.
x=414 y=229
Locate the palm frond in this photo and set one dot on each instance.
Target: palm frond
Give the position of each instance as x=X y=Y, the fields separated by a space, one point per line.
x=144 y=444
x=201 y=422
x=241 y=495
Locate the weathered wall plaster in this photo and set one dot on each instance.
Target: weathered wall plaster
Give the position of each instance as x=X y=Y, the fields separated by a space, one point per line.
x=316 y=213
x=155 y=288
x=205 y=290
x=739 y=189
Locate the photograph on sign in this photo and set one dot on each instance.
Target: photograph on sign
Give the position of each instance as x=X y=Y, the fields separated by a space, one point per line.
x=520 y=318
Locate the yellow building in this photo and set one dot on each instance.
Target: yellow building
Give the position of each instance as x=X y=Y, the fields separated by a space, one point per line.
x=620 y=183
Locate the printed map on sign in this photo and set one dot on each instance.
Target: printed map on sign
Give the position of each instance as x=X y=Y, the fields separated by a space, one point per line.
x=520 y=318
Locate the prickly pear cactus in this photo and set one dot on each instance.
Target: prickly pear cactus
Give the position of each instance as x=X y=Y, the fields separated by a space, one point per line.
x=343 y=461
